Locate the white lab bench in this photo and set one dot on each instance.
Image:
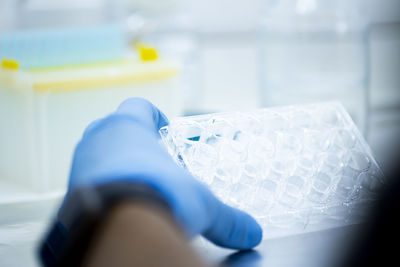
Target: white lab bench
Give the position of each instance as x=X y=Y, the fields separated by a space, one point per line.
x=321 y=248
x=24 y=220
x=28 y=218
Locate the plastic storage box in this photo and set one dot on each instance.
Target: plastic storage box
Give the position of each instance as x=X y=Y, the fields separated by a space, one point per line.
x=296 y=168
x=44 y=112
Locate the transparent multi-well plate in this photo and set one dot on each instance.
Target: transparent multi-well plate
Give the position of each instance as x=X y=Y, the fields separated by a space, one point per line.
x=295 y=169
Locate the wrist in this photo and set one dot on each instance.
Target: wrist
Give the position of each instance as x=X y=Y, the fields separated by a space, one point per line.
x=140 y=234
x=84 y=212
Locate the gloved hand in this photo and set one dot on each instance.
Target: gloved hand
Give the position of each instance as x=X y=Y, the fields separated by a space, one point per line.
x=124 y=146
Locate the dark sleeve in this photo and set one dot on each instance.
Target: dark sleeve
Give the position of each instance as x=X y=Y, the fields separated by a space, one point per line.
x=52 y=245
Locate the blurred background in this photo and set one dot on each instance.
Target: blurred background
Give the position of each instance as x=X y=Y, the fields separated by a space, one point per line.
x=65 y=63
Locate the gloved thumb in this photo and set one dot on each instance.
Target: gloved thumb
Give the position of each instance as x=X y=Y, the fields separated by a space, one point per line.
x=144 y=112
x=140 y=110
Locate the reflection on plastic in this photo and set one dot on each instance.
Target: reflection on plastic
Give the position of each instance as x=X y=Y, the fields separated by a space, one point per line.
x=296 y=168
x=246 y=258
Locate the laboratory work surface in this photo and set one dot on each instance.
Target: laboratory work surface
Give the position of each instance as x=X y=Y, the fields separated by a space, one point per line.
x=322 y=248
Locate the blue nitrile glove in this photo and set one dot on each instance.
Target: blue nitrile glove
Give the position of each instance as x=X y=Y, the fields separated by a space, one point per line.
x=124 y=146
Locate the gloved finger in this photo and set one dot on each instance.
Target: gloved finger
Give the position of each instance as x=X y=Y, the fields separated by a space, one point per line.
x=233 y=228
x=140 y=109
x=91 y=126
x=143 y=111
